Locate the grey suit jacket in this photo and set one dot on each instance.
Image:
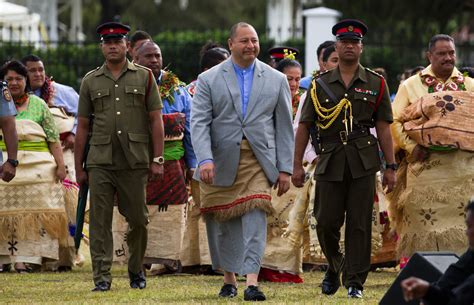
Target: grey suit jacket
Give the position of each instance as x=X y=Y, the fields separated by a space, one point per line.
x=217 y=123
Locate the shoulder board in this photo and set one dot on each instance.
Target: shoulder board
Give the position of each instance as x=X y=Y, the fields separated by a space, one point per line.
x=373 y=72
x=142 y=67
x=321 y=73
x=92 y=71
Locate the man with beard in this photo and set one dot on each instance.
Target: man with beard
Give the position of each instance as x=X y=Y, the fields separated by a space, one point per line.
x=342 y=105
x=170 y=194
x=123 y=98
x=437 y=178
x=242 y=135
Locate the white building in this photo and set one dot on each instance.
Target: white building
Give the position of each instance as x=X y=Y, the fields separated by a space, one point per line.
x=18 y=24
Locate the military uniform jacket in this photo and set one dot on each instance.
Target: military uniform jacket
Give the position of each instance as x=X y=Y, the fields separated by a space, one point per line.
x=361 y=153
x=121 y=133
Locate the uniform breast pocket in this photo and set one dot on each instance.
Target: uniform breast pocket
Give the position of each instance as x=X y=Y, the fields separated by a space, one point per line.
x=368 y=152
x=101 y=99
x=364 y=105
x=135 y=96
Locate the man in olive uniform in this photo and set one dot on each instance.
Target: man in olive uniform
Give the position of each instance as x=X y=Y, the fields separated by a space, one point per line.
x=10 y=138
x=123 y=99
x=341 y=107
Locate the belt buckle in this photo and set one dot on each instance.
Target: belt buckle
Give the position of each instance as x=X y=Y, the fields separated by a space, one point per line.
x=343 y=136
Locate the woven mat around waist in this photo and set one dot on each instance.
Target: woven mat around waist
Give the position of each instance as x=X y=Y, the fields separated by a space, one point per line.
x=250 y=190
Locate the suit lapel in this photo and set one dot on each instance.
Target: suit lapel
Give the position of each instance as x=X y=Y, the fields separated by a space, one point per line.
x=257 y=85
x=233 y=85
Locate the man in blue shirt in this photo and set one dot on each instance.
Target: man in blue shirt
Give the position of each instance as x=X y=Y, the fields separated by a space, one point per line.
x=170 y=194
x=10 y=139
x=243 y=138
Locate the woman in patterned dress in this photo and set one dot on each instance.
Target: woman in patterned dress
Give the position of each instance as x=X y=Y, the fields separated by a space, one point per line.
x=33 y=221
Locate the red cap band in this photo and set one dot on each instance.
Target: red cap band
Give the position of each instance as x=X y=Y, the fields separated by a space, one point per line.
x=107 y=31
x=346 y=30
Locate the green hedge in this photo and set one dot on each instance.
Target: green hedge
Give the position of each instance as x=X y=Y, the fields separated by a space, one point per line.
x=68 y=63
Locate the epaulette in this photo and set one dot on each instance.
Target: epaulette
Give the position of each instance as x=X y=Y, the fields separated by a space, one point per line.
x=140 y=66
x=320 y=74
x=373 y=72
x=91 y=71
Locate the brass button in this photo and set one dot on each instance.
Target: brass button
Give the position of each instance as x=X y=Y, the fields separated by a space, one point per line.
x=134 y=90
x=98 y=94
x=345 y=94
x=368 y=142
x=322 y=149
x=119 y=132
x=116 y=86
x=365 y=98
x=327 y=100
x=118 y=112
x=117 y=99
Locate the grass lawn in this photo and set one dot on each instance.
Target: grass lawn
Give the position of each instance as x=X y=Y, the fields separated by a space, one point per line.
x=74 y=287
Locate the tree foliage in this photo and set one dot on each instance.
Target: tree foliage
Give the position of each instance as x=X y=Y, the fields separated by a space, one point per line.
x=405 y=21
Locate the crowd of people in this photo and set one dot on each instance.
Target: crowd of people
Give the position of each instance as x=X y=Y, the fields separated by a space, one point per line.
x=251 y=169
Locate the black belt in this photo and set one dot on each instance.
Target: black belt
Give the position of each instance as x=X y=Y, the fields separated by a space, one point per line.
x=344 y=137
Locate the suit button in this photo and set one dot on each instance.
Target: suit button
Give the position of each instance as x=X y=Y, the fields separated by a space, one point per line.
x=118 y=112
x=117 y=99
x=119 y=132
x=116 y=86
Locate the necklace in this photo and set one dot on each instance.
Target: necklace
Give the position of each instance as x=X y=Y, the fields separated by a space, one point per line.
x=21 y=100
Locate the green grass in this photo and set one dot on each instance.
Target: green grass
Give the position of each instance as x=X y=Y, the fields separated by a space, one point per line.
x=74 y=288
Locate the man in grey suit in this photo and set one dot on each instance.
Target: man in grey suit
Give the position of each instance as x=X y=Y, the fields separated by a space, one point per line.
x=241 y=129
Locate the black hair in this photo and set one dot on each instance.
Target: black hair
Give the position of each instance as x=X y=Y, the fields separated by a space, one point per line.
x=213 y=57
x=137 y=36
x=30 y=57
x=468 y=70
x=18 y=67
x=285 y=63
x=438 y=37
x=13 y=65
x=470 y=206
x=328 y=51
x=324 y=45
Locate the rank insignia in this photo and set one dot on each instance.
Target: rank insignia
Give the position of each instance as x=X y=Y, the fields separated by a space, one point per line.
x=6 y=94
x=366 y=91
x=350 y=28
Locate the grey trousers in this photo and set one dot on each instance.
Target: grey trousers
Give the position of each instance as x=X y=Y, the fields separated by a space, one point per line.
x=238 y=245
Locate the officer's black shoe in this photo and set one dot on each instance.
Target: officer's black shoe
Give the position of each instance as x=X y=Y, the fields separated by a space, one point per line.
x=252 y=293
x=137 y=280
x=228 y=291
x=101 y=286
x=354 y=293
x=331 y=283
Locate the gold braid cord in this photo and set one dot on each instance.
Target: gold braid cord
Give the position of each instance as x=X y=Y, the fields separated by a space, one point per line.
x=332 y=113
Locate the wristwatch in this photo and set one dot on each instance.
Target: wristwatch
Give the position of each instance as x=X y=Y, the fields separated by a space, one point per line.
x=393 y=166
x=160 y=160
x=13 y=162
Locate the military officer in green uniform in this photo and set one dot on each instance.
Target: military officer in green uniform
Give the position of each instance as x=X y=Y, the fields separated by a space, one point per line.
x=341 y=106
x=127 y=128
